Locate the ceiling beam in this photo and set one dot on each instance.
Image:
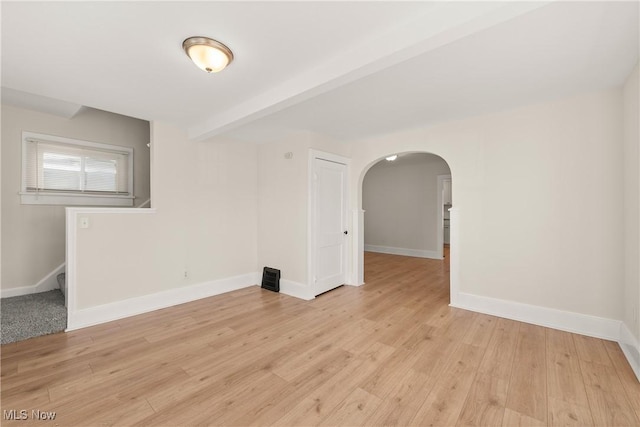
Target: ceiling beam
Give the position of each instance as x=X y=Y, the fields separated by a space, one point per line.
x=40 y=103
x=444 y=23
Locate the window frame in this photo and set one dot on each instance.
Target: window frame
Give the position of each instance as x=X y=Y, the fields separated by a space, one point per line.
x=74 y=198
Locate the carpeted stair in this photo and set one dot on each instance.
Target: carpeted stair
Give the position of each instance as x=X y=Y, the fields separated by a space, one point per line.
x=32 y=315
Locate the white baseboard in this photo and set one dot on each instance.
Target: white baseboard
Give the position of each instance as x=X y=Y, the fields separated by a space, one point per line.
x=582 y=324
x=419 y=253
x=355 y=285
x=630 y=348
x=296 y=289
x=143 y=304
x=48 y=283
x=598 y=327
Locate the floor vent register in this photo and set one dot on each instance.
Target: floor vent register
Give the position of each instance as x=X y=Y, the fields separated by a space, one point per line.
x=271 y=279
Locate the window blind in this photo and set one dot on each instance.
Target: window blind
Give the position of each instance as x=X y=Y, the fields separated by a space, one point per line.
x=59 y=167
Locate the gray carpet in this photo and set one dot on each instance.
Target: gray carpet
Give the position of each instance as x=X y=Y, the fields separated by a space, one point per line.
x=29 y=316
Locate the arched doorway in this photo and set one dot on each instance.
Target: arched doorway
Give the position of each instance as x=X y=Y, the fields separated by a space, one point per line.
x=432 y=199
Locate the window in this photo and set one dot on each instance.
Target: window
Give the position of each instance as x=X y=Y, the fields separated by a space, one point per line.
x=63 y=171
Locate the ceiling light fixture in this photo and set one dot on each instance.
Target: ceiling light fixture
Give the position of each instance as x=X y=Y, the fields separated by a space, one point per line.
x=391 y=158
x=208 y=54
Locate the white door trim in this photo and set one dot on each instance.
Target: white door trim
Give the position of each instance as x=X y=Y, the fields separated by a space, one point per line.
x=311 y=214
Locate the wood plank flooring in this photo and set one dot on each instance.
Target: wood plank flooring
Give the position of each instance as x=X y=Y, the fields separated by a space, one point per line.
x=391 y=352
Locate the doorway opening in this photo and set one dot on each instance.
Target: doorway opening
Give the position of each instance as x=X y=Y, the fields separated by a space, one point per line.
x=444 y=192
x=405 y=204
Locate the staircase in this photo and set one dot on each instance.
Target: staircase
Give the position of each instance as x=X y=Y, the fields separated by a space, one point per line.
x=62 y=282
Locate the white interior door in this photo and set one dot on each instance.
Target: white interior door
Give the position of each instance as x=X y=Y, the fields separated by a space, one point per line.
x=330 y=224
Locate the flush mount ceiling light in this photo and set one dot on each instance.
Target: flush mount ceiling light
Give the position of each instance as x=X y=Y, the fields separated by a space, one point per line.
x=208 y=54
x=391 y=158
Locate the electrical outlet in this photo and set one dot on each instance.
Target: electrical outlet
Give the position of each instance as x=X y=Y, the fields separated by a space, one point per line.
x=186 y=274
x=84 y=222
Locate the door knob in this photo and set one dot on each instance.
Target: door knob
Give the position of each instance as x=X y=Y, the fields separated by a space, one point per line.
x=346 y=232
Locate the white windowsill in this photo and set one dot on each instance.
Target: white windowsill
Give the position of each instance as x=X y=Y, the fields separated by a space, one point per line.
x=69 y=199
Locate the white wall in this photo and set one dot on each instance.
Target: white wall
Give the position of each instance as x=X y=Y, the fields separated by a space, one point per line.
x=631 y=206
x=198 y=239
x=283 y=202
x=221 y=210
x=537 y=189
x=282 y=207
x=400 y=200
x=33 y=236
x=203 y=221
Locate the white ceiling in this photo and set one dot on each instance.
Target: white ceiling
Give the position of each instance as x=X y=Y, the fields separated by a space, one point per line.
x=344 y=69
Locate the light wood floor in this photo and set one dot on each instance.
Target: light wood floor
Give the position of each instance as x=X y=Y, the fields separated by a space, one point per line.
x=388 y=353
